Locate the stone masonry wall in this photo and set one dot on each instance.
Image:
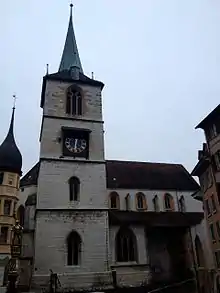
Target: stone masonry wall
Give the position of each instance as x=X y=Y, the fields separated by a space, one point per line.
x=52 y=230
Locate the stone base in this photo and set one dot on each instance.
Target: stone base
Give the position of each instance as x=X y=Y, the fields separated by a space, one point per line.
x=92 y=281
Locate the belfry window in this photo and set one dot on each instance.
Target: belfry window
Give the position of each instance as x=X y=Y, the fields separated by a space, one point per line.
x=74 y=188
x=74 y=101
x=126 y=246
x=73 y=249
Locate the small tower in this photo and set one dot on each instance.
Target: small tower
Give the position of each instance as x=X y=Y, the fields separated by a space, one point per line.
x=10 y=172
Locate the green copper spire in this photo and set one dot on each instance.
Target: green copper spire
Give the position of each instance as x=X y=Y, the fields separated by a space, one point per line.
x=70 y=57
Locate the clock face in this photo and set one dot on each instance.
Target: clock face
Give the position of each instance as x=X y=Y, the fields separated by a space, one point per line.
x=75 y=145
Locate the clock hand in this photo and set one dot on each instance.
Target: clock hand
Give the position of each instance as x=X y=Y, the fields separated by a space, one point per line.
x=75 y=144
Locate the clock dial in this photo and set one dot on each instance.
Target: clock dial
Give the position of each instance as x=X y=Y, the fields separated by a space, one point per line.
x=75 y=145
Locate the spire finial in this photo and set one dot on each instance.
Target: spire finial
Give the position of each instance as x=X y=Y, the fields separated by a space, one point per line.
x=71 y=9
x=47 y=70
x=14 y=101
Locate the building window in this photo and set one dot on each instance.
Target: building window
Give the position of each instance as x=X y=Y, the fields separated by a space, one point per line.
x=7 y=207
x=20 y=215
x=114 y=200
x=213 y=203
x=212 y=231
x=74 y=188
x=140 y=201
x=73 y=249
x=218 y=228
x=217 y=258
x=156 y=203
x=127 y=202
x=4 y=235
x=74 y=101
x=217 y=160
x=207 y=207
x=168 y=202
x=182 y=204
x=11 y=179
x=126 y=246
x=199 y=252
x=1 y=177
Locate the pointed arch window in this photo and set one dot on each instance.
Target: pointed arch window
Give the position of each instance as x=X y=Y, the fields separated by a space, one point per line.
x=73 y=249
x=126 y=245
x=114 y=200
x=140 y=201
x=156 y=203
x=20 y=215
x=182 y=204
x=199 y=252
x=74 y=188
x=74 y=101
x=168 y=202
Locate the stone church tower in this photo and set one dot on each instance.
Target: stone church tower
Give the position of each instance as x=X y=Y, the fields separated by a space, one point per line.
x=71 y=202
x=10 y=172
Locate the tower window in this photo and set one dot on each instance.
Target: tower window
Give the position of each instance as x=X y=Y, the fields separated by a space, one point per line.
x=7 y=207
x=74 y=101
x=1 y=177
x=114 y=200
x=4 y=235
x=73 y=249
x=126 y=246
x=74 y=188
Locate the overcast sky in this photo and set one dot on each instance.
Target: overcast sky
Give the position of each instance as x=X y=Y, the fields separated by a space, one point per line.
x=159 y=60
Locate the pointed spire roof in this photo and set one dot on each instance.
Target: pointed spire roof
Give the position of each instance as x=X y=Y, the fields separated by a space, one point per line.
x=70 y=57
x=10 y=156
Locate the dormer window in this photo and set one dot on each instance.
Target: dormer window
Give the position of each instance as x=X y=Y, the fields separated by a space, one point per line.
x=74 y=101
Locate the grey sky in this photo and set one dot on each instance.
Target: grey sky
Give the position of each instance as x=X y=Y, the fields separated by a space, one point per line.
x=159 y=60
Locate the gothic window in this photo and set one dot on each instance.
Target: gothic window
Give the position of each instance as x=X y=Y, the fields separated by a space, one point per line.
x=7 y=207
x=156 y=204
x=20 y=215
x=168 y=202
x=199 y=252
x=182 y=204
x=114 y=200
x=73 y=249
x=74 y=101
x=126 y=246
x=74 y=188
x=140 y=201
x=4 y=234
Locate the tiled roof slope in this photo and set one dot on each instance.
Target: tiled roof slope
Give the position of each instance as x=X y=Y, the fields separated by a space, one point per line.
x=137 y=175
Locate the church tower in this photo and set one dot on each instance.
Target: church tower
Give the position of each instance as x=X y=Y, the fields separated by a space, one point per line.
x=10 y=172
x=71 y=217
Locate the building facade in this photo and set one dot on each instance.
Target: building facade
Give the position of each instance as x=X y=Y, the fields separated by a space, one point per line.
x=208 y=172
x=10 y=172
x=97 y=223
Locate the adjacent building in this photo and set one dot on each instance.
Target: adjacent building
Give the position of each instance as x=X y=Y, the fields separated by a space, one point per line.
x=208 y=172
x=10 y=172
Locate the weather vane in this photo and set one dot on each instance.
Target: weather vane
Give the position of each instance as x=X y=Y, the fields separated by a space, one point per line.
x=14 y=100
